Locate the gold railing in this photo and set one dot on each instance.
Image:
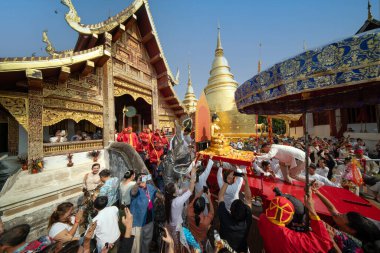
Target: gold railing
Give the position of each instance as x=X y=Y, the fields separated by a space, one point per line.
x=71 y=147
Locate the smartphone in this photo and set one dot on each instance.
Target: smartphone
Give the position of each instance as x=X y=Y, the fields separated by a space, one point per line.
x=238 y=174
x=146 y=178
x=205 y=189
x=106 y=245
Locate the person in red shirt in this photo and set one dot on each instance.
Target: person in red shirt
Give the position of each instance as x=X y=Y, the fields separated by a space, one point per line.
x=165 y=141
x=154 y=157
x=144 y=137
x=280 y=239
x=129 y=137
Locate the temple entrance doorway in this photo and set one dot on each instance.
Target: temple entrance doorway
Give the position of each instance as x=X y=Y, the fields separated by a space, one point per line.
x=141 y=119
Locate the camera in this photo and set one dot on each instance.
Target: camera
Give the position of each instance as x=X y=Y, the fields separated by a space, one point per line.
x=205 y=189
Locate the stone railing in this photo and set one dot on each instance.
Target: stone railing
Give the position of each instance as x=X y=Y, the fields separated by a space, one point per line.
x=51 y=149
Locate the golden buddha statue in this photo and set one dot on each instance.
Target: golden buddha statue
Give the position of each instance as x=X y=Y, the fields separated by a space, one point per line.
x=219 y=144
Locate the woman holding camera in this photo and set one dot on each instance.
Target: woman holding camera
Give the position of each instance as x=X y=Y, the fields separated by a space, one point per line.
x=63 y=226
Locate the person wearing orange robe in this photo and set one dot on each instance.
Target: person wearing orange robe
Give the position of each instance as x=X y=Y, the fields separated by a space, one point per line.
x=280 y=239
x=129 y=137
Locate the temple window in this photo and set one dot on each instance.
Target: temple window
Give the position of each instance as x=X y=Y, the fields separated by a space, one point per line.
x=67 y=136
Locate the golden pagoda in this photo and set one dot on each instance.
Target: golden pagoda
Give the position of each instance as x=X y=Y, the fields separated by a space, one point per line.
x=221 y=86
x=220 y=94
x=190 y=101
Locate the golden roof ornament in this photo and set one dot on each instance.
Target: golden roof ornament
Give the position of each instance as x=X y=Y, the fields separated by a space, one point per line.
x=370 y=17
x=49 y=46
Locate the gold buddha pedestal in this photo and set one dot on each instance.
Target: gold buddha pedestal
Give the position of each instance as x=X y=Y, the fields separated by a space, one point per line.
x=220 y=146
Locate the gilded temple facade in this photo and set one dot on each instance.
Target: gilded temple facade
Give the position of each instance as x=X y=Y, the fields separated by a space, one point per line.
x=114 y=64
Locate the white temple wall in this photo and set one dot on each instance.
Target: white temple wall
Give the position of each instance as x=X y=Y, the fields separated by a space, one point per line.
x=371 y=127
x=321 y=131
x=296 y=132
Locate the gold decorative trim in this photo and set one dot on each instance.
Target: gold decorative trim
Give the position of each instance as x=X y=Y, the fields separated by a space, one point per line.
x=302 y=78
x=64 y=59
x=120 y=91
x=17 y=107
x=53 y=116
x=322 y=88
x=163 y=124
x=72 y=105
x=122 y=88
x=71 y=147
x=73 y=19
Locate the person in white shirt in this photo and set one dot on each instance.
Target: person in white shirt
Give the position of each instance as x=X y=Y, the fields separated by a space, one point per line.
x=322 y=169
x=291 y=159
x=321 y=180
x=174 y=205
x=202 y=175
x=63 y=226
x=107 y=223
x=126 y=187
x=234 y=184
x=92 y=180
x=270 y=169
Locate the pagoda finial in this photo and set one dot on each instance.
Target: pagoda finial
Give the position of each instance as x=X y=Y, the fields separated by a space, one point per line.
x=219 y=48
x=189 y=77
x=369 y=11
x=259 y=63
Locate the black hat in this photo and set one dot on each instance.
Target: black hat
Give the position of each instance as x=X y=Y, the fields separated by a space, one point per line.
x=313 y=166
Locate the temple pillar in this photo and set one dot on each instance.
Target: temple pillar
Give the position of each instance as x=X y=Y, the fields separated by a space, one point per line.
x=12 y=136
x=287 y=127
x=155 y=120
x=35 y=110
x=108 y=97
x=332 y=122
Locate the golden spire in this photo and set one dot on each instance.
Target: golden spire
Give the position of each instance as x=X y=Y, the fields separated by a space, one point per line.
x=189 y=83
x=219 y=48
x=190 y=101
x=369 y=11
x=221 y=86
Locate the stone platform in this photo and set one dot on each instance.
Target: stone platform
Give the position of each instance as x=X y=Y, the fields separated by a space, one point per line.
x=31 y=198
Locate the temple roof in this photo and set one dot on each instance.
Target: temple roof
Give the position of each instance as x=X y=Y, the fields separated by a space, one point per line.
x=13 y=70
x=138 y=11
x=370 y=23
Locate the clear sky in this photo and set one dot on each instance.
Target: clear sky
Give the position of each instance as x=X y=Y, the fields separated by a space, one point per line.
x=187 y=29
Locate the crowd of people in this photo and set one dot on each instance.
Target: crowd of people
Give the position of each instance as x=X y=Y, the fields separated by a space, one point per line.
x=63 y=136
x=140 y=214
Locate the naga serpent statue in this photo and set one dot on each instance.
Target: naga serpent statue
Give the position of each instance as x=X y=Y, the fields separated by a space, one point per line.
x=179 y=158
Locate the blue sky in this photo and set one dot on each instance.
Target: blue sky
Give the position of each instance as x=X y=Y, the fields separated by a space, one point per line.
x=188 y=28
